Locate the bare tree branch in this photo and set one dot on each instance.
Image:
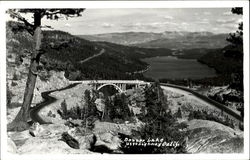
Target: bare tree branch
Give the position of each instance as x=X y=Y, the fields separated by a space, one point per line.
x=13 y=14
x=46 y=26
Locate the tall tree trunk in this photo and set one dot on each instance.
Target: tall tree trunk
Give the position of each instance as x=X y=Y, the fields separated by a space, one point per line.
x=20 y=122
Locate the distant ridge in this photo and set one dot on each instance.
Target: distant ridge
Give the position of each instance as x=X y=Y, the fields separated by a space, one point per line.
x=167 y=39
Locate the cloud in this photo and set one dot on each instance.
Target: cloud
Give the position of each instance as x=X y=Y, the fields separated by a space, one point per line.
x=230 y=26
x=226 y=21
x=227 y=13
x=215 y=29
x=149 y=25
x=107 y=25
x=168 y=17
x=185 y=24
x=203 y=21
x=207 y=13
x=67 y=25
x=239 y=20
x=202 y=29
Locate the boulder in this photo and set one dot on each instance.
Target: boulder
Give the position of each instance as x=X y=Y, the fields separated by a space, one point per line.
x=107 y=142
x=36 y=129
x=212 y=137
x=223 y=94
x=19 y=135
x=85 y=141
x=101 y=127
x=100 y=105
x=37 y=145
x=11 y=146
x=71 y=141
x=55 y=129
x=19 y=138
x=52 y=143
x=12 y=113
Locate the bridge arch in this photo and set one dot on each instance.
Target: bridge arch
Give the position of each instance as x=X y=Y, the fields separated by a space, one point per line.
x=111 y=84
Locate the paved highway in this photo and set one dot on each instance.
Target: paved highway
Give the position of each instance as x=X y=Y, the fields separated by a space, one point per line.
x=219 y=106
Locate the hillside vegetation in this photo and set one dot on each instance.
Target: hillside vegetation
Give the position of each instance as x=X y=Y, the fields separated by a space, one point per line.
x=64 y=52
x=228 y=65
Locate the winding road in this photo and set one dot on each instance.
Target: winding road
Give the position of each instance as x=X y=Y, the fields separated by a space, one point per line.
x=47 y=100
x=95 y=55
x=205 y=99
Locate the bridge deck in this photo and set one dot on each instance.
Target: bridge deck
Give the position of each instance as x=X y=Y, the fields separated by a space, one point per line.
x=109 y=81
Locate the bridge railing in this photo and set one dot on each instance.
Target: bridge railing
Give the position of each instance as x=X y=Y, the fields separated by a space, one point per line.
x=110 y=81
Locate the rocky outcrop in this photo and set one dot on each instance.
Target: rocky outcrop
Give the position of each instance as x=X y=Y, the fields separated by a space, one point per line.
x=100 y=104
x=85 y=140
x=71 y=141
x=212 y=137
x=106 y=142
x=49 y=143
x=185 y=102
x=11 y=146
x=102 y=127
x=37 y=130
x=136 y=100
x=228 y=96
x=56 y=81
x=48 y=146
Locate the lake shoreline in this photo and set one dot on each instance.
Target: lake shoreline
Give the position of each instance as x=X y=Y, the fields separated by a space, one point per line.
x=172 y=67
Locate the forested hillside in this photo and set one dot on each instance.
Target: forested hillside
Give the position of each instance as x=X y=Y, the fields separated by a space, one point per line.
x=228 y=62
x=64 y=52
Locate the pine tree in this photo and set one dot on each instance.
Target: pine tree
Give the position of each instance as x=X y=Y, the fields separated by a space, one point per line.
x=159 y=122
x=64 y=109
x=87 y=99
x=236 y=39
x=178 y=113
x=20 y=121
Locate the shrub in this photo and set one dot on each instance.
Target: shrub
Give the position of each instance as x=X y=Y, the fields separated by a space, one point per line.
x=44 y=76
x=117 y=109
x=64 y=112
x=178 y=114
x=241 y=126
x=87 y=110
x=49 y=114
x=13 y=84
x=211 y=117
x=72 y=142
x=9 y=96
x=15 y=77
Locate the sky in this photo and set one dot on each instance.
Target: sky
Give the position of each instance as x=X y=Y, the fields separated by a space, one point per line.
x=97 y=21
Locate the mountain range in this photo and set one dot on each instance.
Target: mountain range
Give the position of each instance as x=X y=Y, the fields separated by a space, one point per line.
x=168 y=39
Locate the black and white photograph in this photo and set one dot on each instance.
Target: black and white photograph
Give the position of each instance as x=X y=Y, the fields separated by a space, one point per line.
x=135 y=80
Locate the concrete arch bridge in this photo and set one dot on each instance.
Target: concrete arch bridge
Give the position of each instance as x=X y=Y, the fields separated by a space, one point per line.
x=119 y=85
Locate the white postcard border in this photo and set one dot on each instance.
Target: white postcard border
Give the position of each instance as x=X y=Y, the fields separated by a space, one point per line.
x=122 y=4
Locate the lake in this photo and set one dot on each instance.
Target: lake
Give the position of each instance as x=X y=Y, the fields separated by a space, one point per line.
x=170 y=67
